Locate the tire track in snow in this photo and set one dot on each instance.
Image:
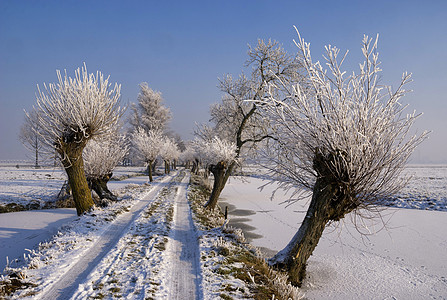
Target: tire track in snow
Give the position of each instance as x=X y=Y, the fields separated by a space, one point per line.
x=68 y=282
x=183 y=276
x=131 y=268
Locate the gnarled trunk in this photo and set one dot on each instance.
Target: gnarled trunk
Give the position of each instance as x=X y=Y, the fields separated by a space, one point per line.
x=74 y=167
x=195 y=167
x=167 y=167
x=149 y=169
x=219 y=171
x=331 y=201
x=99 y=185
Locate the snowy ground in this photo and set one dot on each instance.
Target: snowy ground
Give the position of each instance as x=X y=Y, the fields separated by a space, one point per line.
x=143 y=247
x=28 y=186
x=427 y=189
x=26 y=229
x=114 y=252
x=404 y=260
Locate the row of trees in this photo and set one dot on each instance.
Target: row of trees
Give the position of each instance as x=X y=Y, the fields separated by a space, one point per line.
x=342 y=138
x=78 y=120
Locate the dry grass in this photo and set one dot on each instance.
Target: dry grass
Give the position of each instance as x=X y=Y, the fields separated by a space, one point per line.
x=12 y=283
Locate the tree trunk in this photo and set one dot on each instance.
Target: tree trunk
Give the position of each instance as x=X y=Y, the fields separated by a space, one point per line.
x=331 y=201
x=206 y=172
x=74 y=166
x=154 y=164
x=99 y=185
x=36 y=166
x=167 y=167
x=218 y=185
x=195 y=167
x=149 y=170
x=65 y=192
x=293 y=258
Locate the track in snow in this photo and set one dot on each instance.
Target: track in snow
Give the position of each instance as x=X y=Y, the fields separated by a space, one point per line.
x=184 y=277
x=68 y=283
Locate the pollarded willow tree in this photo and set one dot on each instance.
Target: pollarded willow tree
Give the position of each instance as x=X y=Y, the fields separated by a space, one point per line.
x=239 y=121
x=218 y=155
x=101 y=156
x=188 y=156
x=70 y=113
x=148 y=145
x=346 y=138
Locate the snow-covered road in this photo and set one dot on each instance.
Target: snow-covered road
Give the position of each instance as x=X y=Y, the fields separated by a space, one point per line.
x=76 y=274
x=183 y=251
x=150 y=251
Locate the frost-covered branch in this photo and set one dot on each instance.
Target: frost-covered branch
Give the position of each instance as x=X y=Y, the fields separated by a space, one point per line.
x=30 y=138
x=101 y=156
x=351 y=115
x=237 y=120
x=69 y=114
x=77 y=109
x=148 y=143
x=215 y=151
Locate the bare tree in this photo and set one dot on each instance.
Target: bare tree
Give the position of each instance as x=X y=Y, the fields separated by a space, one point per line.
x=29 y=136
x=101 y=156
x=148 y=145
x=239 y=121
x=70 y=113
x=345 y=138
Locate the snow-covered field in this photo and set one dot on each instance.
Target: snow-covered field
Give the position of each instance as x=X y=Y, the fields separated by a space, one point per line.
x=427 y=188
x=406 y=259
x=404 y=255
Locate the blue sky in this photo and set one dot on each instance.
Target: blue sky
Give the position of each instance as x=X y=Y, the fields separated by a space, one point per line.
x=181 y=47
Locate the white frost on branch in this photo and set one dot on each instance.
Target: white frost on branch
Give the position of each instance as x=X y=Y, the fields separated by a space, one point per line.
x=353 y=117
x=77 y=109
x=150 y=113
x=101 y=156
x=169 y=150
x=215 y=151
x=148 y=144
x=189 y=154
